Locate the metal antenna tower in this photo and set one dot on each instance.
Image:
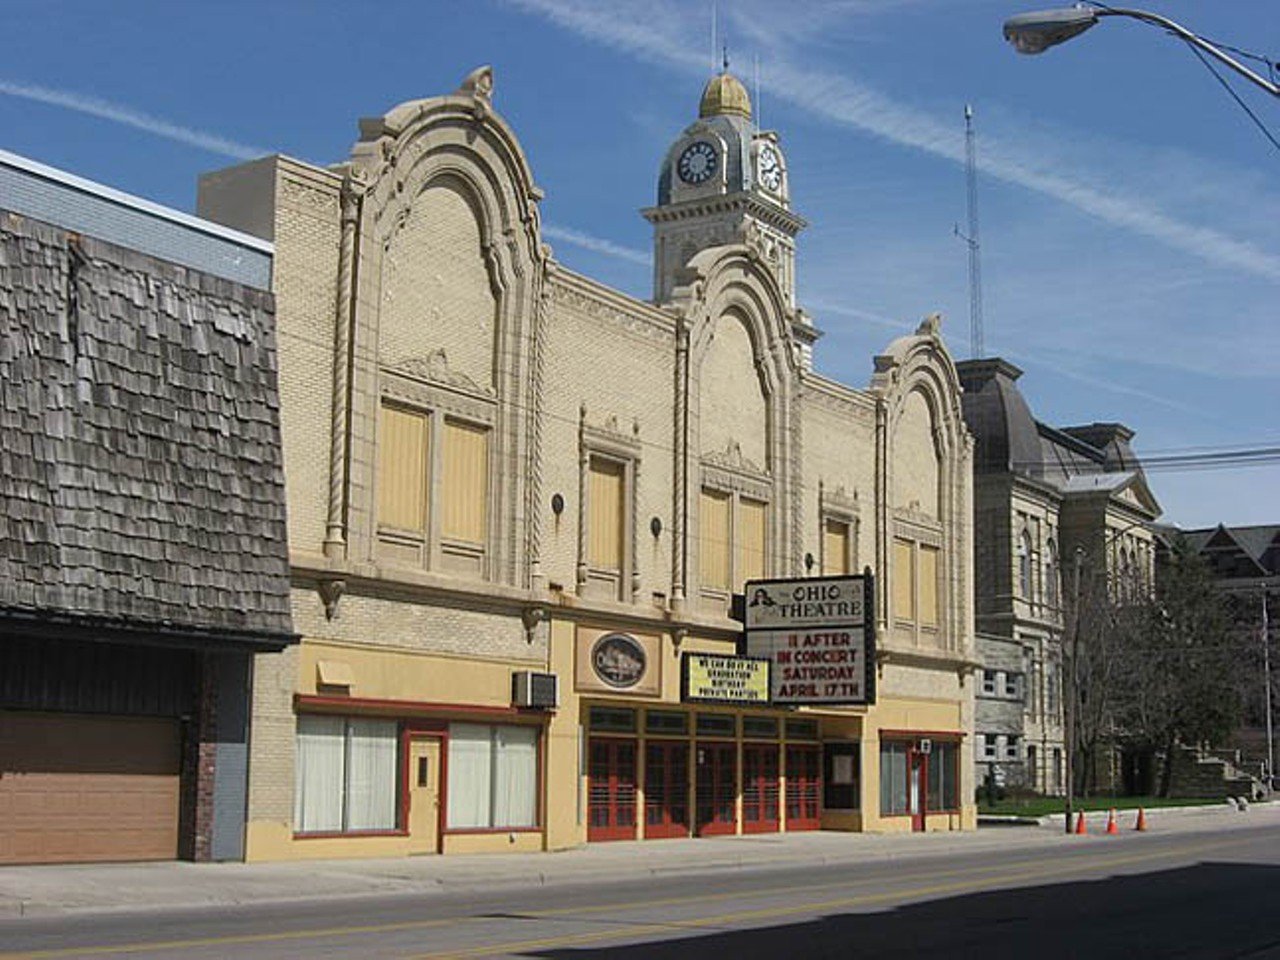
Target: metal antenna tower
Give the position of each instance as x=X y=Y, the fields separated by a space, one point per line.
x=976 y=349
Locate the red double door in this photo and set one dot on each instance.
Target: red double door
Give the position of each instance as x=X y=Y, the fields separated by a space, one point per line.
x=611 y=789
x=666 y=789
x=804 y=787
x=717 y=789
x=760 y=788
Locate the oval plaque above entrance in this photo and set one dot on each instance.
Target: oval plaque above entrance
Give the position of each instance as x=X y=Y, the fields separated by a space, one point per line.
x=619 y=660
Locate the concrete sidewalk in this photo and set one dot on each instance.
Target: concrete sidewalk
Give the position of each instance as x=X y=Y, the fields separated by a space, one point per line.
x=96 y=888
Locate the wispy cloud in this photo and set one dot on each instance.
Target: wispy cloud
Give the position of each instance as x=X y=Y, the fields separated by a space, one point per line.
x=841 y=100
x=130 y=117
x=596 y=244
x=1116 y=386
x=841 y=310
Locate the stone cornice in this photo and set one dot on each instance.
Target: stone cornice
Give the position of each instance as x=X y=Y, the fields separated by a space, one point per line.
x=313 y=571
x=574 y=290
x=766 y=212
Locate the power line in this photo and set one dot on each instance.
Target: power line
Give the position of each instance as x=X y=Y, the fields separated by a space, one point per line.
x=1171 y=458
x=1235 y=96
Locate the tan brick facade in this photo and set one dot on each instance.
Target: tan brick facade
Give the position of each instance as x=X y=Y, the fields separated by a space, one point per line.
x=415 y=276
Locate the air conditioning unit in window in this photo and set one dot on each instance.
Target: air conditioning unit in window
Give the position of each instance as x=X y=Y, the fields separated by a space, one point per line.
x=925 y=746
x=529 y=689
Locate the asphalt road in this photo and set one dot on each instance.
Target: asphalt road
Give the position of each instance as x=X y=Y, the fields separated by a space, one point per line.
x=1137 y=896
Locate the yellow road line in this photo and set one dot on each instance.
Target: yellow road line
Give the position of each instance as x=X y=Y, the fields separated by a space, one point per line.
x=1001 y=874
x=762 y=913
x=402 y=925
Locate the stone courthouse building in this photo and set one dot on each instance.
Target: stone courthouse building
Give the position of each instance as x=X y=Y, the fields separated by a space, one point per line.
x=1062 y=515
x=519 y=499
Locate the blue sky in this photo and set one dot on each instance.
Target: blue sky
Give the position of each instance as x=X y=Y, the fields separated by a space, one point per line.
x=1130 y=211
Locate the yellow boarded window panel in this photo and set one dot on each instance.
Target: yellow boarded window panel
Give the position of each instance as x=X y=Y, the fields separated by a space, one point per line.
x=464 y=484
x=750 y=541
x=605 y=496
x=403 y=439
x=713 y=539
x=904 y=587
x=929 y=586
x=835 y=548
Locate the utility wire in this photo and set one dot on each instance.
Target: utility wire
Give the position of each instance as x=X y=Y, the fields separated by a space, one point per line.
x=1234 y=96
x=1171 y=458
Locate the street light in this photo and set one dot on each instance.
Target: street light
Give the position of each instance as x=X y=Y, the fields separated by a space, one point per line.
x=1036 y=32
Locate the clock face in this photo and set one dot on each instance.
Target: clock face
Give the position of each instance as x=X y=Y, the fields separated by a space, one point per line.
x=697 y=163
x=769 y=168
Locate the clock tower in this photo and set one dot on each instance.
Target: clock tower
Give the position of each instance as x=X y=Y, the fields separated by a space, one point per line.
x=723 y=181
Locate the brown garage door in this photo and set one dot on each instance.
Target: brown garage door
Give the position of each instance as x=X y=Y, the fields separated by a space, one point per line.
x=76 y=787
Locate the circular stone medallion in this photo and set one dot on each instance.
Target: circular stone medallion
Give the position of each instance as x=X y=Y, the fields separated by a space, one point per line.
x=618 y=659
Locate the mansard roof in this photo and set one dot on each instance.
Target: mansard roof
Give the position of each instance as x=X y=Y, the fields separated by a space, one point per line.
x=1074 y=460
x=141 y=482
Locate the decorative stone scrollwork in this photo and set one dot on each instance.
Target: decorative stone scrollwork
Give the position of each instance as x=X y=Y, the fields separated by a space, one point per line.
x=435 y=368
x=331 y=592
x=478 y=84
x=731 y=458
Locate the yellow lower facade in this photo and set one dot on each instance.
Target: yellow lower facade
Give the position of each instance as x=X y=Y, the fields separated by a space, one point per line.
x=605 y=764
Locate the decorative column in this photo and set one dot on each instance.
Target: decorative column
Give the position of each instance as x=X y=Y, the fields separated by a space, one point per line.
x=584 y=468
x=679 y=518
x=335 y=539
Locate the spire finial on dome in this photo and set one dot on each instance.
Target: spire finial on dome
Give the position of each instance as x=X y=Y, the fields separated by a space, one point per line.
x=725 y=59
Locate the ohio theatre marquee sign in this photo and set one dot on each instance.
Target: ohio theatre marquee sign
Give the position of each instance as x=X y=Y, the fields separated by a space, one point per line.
x=818 y=634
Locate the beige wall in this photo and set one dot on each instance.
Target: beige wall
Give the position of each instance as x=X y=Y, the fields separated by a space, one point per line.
x=416 y=273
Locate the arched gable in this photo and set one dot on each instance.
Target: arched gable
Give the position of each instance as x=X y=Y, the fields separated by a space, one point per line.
x=738 y=381
x=924 y=466
x=446 y=267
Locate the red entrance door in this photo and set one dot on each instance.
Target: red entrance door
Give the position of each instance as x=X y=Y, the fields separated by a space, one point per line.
x=917 y=779
x=666 y=790
x=760 y=788
x=804 y=787
x=611 y=793
x=717 y=788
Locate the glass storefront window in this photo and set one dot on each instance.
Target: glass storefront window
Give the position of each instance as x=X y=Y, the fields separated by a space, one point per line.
x=717 y=725
x=493 y=776
x=840 y=775
x=346 y=775
x=802 y=729
x=612 y=720
x=666 y=723
x=893 y=778
x=760 y=728
x=943 y=791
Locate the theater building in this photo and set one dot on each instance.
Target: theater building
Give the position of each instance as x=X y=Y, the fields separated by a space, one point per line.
x=521 y=504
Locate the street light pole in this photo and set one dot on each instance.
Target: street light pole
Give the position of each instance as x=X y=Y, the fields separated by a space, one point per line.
x=1036 y=32
x=1069 y=688
x=1266 y=673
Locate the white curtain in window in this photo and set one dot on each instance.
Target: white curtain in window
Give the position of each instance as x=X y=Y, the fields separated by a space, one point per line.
x=470 y=775
x=515 y=777
x=893 y=778
x=320 y=774
x=371 y=775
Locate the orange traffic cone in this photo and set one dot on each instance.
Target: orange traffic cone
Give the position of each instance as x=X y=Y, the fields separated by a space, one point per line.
x=1081 y=829
x=1142 y=820
x=1111 y=822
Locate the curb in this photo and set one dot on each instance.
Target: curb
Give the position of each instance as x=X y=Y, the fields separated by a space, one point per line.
x=367 y=881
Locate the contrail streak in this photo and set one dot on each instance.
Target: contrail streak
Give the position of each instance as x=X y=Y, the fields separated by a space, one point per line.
x=130 y=117
x=845 y=102
x=597 y=244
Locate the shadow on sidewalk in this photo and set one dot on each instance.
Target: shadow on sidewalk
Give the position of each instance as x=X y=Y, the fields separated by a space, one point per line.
x=1210 y=910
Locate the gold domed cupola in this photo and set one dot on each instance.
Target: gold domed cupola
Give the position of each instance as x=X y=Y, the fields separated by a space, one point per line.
x=725 y=95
